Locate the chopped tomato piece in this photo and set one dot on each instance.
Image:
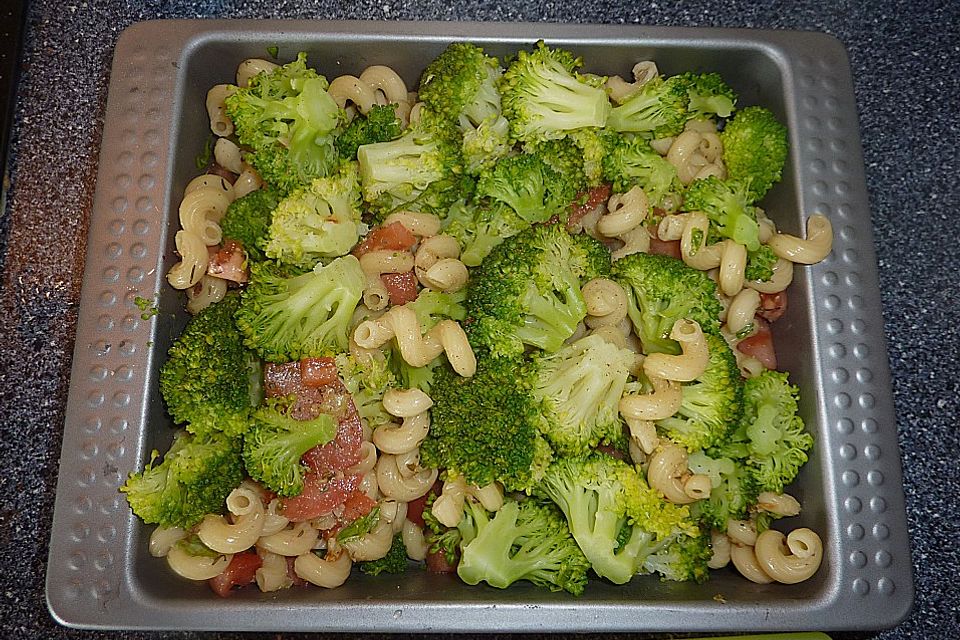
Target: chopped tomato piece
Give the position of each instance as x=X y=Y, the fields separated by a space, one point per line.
x=663 y=247
x=344 y=450
x=415 y=507
x=317 y=372
x=760 y=344
x=241 y=571
x=437 y=562
x=610 y=450
x=585 y=202
x=772 y=306
x=320 y=496
x=392 y=237
x=402 y=287
x=228 y=262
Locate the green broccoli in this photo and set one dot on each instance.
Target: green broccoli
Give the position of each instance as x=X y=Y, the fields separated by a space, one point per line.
x=478 y=229
x=755 y=149
x=727 y=204
x=247 y=221
x=566 y=158
x=194 y=479
x=205 y=381
x=431 y=307
x=367 y=380
x=529 y=186
x=634 y=163
x=682 y=558
x=275 y=442
x=402 y=171
x=711 y=405
x=527 y=291
x=615 y=517
x=521 y=541
x=379 y=125
x=592 y=146
x=770 y=432
x=544 y=97
x=580 y=387
x=287 y=117
x=287 y=316
x=317 y=222
x=394 y=562
x=661 y=290
x=460 y=87
x=658 y=108
x=485 y=427
x=760 y=264
x=733 y=489
x=440 y=538
x=708 y=95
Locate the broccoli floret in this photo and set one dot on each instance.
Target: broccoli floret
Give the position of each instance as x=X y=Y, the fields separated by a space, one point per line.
x=545 y=98
x=755 y=149
x=247 y=220
x=592 y=146
x=615 y=517
x=460 y=87
x=379 y=125
x=711 y=405
x=394 y=562
x=527 y=185
x=288 y=119
x=205 y=381
x=367 y=380
x=580 y=387
x=733 y=489
x=194 y=479
x=566 y=158
x=708 y=95
x=683 y=559
x=774 y=436
x=521 y=541
x=400 y=172
x=760 y=264
x=275 y=442
x=661 y=290
x=318 y=222
x=478 y=229
x=527 y=291
x=634 y=163
x=287 y=316
x=658 y=109
x=727 y=204
x=485 y=427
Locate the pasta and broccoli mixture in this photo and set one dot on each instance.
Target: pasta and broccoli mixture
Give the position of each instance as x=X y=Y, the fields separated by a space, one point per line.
x=514 y=324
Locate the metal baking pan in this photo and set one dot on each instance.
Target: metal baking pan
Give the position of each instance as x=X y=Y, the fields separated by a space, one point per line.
x=100 y=574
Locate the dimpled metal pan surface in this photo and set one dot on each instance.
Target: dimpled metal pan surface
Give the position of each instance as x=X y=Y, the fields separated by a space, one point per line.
x=100 y=574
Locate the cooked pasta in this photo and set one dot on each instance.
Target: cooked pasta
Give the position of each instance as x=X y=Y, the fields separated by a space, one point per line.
x=792 y=559
x=251 y=67
x=689 y=364
x=220 y=123
x=323 y=572
x=811 y=250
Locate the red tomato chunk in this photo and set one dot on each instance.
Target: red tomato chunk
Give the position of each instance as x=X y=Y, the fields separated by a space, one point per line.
x=317 y=372
x=320 y=496
x=393 y=237
x=760 y=344
x=241 y=571
x=402 y=287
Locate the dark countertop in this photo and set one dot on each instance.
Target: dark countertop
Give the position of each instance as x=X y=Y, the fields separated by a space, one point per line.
x=905 y=61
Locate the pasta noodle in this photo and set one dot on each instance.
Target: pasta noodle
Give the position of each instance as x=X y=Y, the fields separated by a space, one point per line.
x=789 y=560
x=323 y=572
x=272 y=574
x=685 y=367
x=414 y=541
x=220 y=123
x=745 y=561
x=813 y=249
x=196 y=567
x=162 y=540
x=251 y=67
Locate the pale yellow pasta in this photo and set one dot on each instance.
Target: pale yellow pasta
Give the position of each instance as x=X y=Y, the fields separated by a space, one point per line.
x=618 y=89
x=446 y=274
x=637 y=455
x=416 y=349
x=742 y=310
x=225 y=537
x=668 y=472
x=644 y=434
x=710 y=145
x=380 y=262
x=227 y=155
x=811 y=250
x=780 y=280
x=767 y=226
x=369 y=485
x=201 y=211
x=247 y=182
x=742 y=532
x=662 y=402
x=662 y=145
x=394 y=512
x=733 y=264
x=684 y=155
x=720 y=545
x=414 y=541
x=781 y=504
x=205 y=293
x=406 y=403
x=687 y=366
x=244 y=500
x=252 y=67
x=792 y=559
x=162 y=540
x=422 y=225
x=196 y=567
x=605 y=299
x=211 y=181
x=609 y=333
x=404 y=486
x=193 y=261
x=433 y=249
x=634 y=241
x=701 y=126
x=371 y=334
x=347 y=88
x=395 y=439
x=697 y=487
x=220 y=122
x=490 y=496
x=272 y=573
x=415 y=111
x=372 y=545
x=323 y=572
x=625 y=212
x=293 y=540
x=368 y=458
x=273 y=521
x=455 y=344
x=448 y=506
x=384 y=79
x=745 y=560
